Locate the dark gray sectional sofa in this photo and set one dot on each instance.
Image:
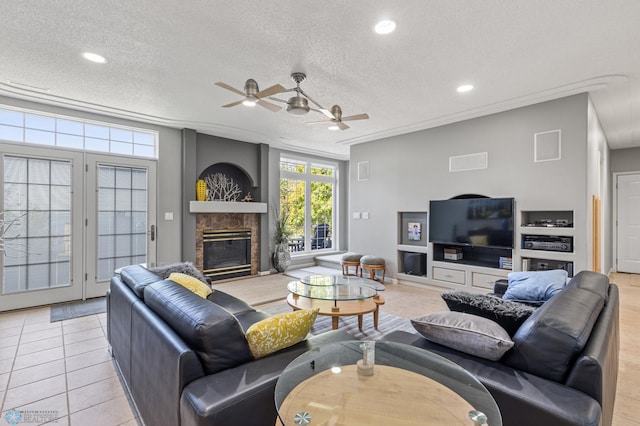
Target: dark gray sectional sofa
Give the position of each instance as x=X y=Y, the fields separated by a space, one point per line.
x=563 y=367
x=185 y=360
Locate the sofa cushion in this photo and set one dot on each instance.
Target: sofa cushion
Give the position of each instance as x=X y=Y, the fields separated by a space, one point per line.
x=552 y=337
x=210 y=330
x=280 y=331
x=137 y=278
x=535 y=285
x=467 y=333
x=191 y=283
x=229 y=302
x=508 y=314
x=180 y=267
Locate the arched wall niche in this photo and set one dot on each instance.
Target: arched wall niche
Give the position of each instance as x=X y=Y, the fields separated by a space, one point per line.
x=233 y=173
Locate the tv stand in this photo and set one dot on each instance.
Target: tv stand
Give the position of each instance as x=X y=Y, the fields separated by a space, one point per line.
x=478 y=268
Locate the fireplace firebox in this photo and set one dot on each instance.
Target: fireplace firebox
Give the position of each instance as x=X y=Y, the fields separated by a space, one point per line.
x=226 y=253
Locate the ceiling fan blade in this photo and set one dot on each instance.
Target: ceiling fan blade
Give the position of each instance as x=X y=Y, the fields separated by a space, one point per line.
x=327 y=113
x=341 y=125
x=318 y=122
x=356 y=117
x=271 y=98
x=233 y=89
x=269 y=105
x=270 y=91
x=232 y=104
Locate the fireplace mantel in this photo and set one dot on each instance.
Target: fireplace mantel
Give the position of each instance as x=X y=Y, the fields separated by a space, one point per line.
x=226 y=207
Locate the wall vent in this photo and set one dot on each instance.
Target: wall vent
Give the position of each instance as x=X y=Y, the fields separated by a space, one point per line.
x=547 y=146
x=363 y=170
x=463 y=163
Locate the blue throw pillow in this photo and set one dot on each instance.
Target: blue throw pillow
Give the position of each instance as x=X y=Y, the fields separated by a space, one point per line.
x=535 y=286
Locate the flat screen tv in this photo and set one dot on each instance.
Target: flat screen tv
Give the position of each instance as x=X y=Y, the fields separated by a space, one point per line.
x=472 y=222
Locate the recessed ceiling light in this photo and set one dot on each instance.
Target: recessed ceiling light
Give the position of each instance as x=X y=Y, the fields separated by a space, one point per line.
x=94 y=57
x=465 y=88
x=334 y=127
x=386 y=26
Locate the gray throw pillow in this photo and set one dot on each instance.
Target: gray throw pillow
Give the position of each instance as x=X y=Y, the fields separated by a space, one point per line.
x=466 y=333
x=508 y=314
x=181 y=267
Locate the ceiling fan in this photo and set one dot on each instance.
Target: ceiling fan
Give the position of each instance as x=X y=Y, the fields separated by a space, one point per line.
x=299 y=104
x=252 y=95
x=338 y=119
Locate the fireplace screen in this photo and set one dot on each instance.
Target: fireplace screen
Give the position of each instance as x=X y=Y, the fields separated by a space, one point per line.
x=226 y=253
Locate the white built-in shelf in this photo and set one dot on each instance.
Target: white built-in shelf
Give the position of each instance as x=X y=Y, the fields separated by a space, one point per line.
x=412 y=248
x=226 y=207
x=541 y=230
x=548 y=254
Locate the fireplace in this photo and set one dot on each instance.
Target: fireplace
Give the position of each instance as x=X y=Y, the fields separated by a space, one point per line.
x=226 y=253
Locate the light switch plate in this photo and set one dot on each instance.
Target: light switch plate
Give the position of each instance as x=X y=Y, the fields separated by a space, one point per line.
x=168 y=215
x=356 y=215
x=365 y=215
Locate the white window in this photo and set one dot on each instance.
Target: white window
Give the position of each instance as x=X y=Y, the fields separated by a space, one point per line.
x=308 y=199
x=38 y=128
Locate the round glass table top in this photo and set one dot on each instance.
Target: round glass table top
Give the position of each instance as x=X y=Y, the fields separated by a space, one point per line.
x=328 y=280
x=380 y=383
x=331 y=292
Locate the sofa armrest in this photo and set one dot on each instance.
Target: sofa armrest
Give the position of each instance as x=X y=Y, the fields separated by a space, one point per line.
x=595 y=372
x=500 y=287
x=161 y=366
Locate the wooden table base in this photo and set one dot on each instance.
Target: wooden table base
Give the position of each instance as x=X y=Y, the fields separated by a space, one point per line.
x=335 y=310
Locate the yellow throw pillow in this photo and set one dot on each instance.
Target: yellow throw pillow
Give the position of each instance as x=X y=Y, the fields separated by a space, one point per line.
x=191 y=283
x=280 y=331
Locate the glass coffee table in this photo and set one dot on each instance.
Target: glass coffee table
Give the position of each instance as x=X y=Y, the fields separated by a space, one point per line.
x=333 y=280
x=397 y=385
x=336 y=296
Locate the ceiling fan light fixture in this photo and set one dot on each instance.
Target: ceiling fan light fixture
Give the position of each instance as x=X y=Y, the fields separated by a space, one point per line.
x=333 y=127
x=298 y=105
x=94 y=57
x=249 y=102
x=385 y=26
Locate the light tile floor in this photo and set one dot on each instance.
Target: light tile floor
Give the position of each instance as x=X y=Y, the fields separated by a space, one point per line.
x=60 y=371
x=65 y=367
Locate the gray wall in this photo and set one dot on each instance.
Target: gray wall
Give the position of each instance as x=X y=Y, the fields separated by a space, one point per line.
x=169 y=174
x=407 y=171
x=625 y=160
x=201 y=151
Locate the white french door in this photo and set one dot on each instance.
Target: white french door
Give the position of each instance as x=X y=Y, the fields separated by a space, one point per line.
x=42 y=208
x=70 y=219
x=120 y=217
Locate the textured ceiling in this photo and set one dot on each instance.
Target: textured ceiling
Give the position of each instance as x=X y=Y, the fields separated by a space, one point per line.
x=163 y=58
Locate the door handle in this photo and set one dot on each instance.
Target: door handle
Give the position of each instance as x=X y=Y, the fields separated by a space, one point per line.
x=153 y=232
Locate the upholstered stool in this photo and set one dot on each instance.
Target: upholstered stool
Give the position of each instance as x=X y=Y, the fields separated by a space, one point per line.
x=372 y=264
x=348 y=260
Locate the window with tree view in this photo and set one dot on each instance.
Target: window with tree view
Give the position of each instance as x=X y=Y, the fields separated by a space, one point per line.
x=307 y=200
